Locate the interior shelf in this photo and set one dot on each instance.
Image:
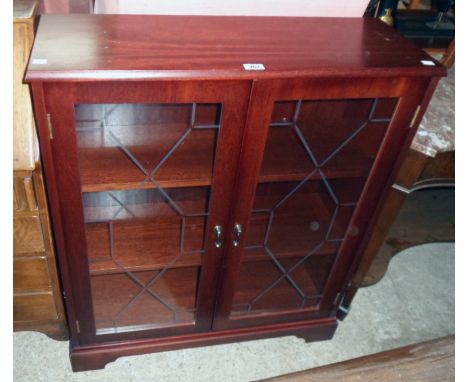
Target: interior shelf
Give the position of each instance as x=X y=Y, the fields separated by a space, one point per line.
x=285 y=159
x=154 y=244
x=191 y=164
x=124 y=146
x=140 y=230
x=178 y=160
x=144 y=244
x=145 y=203
x=252 y=254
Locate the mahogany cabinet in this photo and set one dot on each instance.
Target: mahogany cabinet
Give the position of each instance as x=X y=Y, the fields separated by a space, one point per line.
x=214 y=179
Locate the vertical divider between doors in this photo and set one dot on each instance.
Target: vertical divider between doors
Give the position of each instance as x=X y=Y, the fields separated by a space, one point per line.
x=250 y=160
x=235 y=105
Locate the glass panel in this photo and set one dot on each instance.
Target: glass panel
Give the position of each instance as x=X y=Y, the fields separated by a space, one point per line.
x=146 y=173
x=317 y=160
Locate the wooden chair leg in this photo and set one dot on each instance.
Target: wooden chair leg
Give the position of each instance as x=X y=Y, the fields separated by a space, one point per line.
x=449 y=56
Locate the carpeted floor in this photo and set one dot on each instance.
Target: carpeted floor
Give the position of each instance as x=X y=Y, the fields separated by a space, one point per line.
x=414 y=302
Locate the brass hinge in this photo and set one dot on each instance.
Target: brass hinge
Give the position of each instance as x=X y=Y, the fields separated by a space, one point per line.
x=49 y=125
x=77 y=326
x=415 y=116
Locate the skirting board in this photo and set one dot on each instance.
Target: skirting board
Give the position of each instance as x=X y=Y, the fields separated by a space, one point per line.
x=97 y=356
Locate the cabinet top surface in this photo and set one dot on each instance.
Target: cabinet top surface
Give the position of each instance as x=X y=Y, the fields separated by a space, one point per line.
x=78 y=47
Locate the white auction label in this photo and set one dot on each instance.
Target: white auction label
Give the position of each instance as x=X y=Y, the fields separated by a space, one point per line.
x=427 y=63
x=254 y=67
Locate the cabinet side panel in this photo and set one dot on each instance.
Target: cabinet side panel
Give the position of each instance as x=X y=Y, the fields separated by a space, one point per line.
x=52 y=193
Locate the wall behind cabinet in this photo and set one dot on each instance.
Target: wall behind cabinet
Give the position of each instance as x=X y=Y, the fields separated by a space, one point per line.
x=318 y=8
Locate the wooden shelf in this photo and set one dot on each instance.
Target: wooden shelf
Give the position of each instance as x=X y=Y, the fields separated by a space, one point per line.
x=147 y=230
x=191 y=165
x=260 y=254
x=135 y=251
x=145 y=203
x=147 y=233
x=154 y=244
x=272 y=177
x=285 y=159
x=144 y=244
x=104 y=166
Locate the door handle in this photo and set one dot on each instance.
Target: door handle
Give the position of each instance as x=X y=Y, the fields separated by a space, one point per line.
x=237 y=234
x=218 y=231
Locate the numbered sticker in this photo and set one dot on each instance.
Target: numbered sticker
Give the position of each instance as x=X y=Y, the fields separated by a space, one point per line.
x=254 y=67
x=427 y=63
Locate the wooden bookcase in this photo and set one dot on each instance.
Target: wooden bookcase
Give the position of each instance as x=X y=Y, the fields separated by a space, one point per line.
x=196 y=201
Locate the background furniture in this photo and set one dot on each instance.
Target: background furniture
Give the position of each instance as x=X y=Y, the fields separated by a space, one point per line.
x=37 y=298
x=66 y=6
x=429 y=23
x=224 y=197
x=430 y=361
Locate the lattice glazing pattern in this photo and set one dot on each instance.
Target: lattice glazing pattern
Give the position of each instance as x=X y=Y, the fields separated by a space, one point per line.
x=150 y=167
x=316 y=163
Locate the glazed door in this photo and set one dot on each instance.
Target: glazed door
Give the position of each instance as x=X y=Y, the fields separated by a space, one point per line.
x=144 y=176
x=316 y=156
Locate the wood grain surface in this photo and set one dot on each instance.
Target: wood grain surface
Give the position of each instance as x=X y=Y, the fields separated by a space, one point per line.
x=109 y=47
x=24 y=136
x=432 y=361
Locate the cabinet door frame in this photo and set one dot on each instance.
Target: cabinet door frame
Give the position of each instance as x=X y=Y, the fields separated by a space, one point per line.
x=265 y=93
x=58 y=99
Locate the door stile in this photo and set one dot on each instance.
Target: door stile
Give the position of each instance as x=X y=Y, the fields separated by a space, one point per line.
x=64 y=151
x=234 y=115
x=50 y=181
x=253 y=144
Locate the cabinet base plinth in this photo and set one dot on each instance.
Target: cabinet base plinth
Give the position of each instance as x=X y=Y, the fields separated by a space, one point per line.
x=97 y=356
